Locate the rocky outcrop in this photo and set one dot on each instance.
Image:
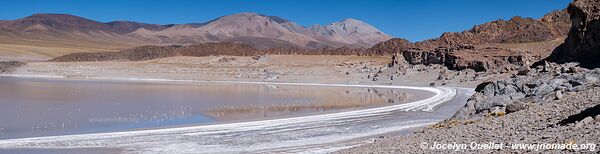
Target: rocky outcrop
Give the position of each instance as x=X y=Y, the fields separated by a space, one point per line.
x=552 y=26
x=391 y=46
x=101 y=56
x=515 y=30
x=475 y=49
x=583 y=42
x=206 y=49
x=321 y=51
x=547 y=82
x=155 y=52
x=133 y=54
x=9 y=66
x=460 y=57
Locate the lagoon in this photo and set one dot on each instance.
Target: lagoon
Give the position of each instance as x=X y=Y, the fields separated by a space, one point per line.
x=47 y=107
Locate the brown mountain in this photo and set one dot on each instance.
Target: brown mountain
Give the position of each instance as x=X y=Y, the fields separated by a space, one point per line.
x=552 y=26
x=497 y=45
x=56 y=23
x=43 y=36
x=124 y=27
x=516 y=30
x=269 y=31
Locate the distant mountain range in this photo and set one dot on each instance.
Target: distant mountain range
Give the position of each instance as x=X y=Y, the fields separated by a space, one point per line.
x=250 y=28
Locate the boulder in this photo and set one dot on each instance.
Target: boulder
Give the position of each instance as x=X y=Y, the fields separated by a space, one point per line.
x=583 y=122
x=523 y=70
x=582 y=44
x=514 y=107
x=486 y=88
x=543 y=90
x=558 y=95
x=536 y=87
x=574 y=70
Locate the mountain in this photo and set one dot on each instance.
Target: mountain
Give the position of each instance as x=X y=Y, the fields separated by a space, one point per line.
x=124 y=27
x=269 y=31
x=48 y=35
x=43 y=36
x=51 y=35
x=351 y=31
x=232 y=27
x=56 y=23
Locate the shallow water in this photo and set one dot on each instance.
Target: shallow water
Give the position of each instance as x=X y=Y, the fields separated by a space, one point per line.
x=44 y=107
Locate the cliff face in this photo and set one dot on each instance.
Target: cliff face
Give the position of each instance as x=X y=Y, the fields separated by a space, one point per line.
x=466 y=57
x=583 y=42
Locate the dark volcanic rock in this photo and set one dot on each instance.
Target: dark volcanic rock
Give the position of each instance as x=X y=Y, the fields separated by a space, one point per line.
x=155 y=52
x=133 y=54
x=540 y=86
x=583 y=43
x=199 y=50
x=148 y=52
x=549 y=81
x=391 y=46
x=553 y=122
x=8 y=66
x=461 y=57
x=101 y=56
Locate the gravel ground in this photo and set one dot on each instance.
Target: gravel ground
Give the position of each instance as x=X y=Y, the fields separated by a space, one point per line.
x=555 y=122
x=274 y=68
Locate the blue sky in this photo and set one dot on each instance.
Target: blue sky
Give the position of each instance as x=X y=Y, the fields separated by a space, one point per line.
x=415 y=20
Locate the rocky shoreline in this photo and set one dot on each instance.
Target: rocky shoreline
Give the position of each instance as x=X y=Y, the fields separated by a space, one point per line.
x=545 y=83
x=552 y=102
x=537 y=123
x=531 y=87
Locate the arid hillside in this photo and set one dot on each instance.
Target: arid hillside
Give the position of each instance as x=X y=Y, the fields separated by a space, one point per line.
x=44 y=36
x=501 y=45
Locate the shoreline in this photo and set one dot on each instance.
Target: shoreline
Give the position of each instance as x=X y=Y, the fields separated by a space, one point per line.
x=442 y=94
x=165 y=80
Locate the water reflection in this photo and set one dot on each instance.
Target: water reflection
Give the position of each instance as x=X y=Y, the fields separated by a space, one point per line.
x=37 y=107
